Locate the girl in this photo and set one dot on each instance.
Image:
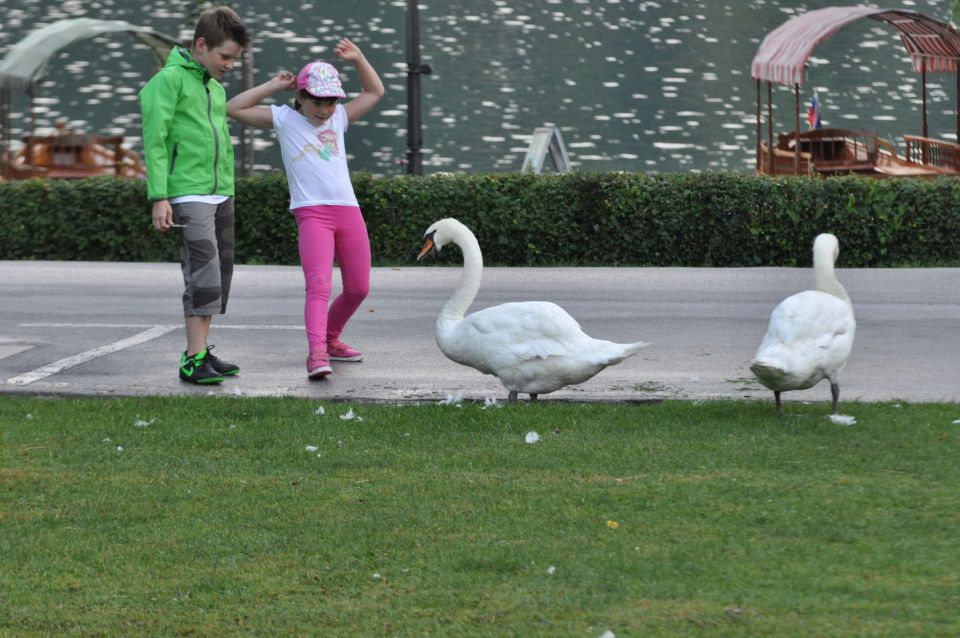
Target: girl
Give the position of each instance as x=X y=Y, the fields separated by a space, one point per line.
x=329 y=221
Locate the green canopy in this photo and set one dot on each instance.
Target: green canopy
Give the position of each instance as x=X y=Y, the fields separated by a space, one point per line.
x=26 y=63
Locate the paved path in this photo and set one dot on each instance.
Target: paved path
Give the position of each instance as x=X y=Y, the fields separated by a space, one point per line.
x=115 y=329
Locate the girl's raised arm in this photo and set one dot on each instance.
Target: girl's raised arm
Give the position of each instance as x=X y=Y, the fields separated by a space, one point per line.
x=245 y=107
x=372 y=85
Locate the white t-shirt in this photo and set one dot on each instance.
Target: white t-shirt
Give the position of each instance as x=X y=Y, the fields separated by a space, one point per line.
x=206 y=199
x=315 y=158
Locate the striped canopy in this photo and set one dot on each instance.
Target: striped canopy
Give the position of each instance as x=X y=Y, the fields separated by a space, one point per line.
x=782 y=57
x=26 y=63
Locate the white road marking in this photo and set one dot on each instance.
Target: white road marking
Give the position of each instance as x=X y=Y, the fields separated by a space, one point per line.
x=10 y=349
x=75 y=360
x=215 y=326
x=87 y=325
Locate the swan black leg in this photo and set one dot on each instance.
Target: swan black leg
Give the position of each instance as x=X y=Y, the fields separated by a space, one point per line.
x=776 y=395
x=512 y=396
x=533 y=397
x=835 y=393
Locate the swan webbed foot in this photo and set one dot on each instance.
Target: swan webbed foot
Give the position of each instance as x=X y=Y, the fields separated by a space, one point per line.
x=512 y=396
x=835 y=394
x=776 y=396
x=533 y=397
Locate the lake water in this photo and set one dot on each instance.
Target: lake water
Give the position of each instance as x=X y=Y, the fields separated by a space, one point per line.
x=633 y=85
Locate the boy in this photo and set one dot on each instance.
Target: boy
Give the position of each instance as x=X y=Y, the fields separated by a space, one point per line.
x=189 y=159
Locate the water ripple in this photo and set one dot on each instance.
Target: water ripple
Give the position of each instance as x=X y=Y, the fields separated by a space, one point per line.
x=667 y=80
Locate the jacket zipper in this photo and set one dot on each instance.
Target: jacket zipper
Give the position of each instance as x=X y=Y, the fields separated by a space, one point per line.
x=216 y=138
x=173 y=156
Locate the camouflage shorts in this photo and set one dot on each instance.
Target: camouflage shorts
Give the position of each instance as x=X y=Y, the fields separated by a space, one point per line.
x=206 y=255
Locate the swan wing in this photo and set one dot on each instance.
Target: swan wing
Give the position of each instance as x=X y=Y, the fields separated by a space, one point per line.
x=515 y=332
x=809 y=337
x=808 y=315
x=531 y=346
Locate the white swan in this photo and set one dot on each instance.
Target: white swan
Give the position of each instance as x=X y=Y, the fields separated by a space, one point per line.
x=533 y=347
x=811 y=333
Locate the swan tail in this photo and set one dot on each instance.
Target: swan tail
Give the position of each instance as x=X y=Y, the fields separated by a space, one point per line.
x=635 y=347
x=617 y=352
x=769 y=374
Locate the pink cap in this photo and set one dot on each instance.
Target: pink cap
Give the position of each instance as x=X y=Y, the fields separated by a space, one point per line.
x=320 y=79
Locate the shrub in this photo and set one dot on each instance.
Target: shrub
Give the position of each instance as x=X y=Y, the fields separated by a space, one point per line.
x=576 y=219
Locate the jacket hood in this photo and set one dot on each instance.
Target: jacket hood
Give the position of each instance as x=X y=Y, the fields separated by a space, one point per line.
x=181 y=57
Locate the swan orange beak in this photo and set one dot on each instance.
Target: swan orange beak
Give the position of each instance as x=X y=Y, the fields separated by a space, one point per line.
x=427 y=248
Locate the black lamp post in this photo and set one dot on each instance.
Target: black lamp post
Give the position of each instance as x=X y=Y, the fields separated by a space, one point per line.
x=414 y=71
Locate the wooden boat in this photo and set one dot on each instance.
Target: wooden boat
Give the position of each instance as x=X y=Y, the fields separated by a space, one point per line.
x=64 y=154
x=68 y=155
x=782 y=59
x=835 y=151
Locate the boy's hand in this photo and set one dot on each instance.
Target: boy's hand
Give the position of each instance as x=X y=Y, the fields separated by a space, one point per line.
x=162 y=215
x=348 y=51
x=283 y=81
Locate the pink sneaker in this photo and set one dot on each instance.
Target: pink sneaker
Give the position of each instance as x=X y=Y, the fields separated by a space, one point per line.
x=339 y=351
x=318 y=366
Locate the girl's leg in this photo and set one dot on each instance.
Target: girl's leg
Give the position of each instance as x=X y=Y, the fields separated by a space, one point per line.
x=316 y=258
x=353 y=255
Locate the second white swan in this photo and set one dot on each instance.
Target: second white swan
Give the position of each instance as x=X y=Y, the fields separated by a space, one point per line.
x=810 y=334
x=534 y=347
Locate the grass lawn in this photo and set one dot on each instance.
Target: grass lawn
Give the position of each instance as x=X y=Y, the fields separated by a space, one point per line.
x=211 y=517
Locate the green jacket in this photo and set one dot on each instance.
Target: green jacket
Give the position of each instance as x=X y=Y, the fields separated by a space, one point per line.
x=186 y=143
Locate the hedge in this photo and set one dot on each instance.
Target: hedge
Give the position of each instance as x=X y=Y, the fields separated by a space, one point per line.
x=579 y=219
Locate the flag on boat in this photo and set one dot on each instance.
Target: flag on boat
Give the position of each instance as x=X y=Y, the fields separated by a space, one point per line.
x=813 y=112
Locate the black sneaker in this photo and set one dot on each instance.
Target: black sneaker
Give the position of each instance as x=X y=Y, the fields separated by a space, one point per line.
x=197 y=369
x=221 y=366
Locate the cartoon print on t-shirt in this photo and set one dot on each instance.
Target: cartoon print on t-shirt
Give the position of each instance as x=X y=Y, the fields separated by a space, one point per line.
x=329 y=147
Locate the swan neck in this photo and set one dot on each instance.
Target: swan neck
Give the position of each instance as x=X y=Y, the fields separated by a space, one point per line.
x=825 y=279
x=470 y=278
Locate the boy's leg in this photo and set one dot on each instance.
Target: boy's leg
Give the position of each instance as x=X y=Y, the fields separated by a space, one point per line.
x=201 y=265
x=353 y=256
x=224 y=228
x=315 y=240
x=198 y=327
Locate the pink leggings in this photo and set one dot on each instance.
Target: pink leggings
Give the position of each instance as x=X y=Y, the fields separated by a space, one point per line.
x=327 y=232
